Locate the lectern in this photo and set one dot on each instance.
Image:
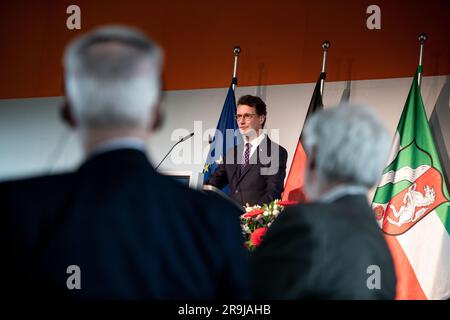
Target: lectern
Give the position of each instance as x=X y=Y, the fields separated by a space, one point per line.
x=218 y=193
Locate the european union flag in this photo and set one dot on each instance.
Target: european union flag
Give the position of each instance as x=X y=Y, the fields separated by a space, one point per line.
x=220 y=145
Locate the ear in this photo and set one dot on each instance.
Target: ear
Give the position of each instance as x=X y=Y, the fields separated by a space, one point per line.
x=262 y=118
x=67 y=114
x=312 y=159
x=158 y=117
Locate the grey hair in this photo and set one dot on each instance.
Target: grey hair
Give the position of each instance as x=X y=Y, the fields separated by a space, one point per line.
x=115 y=86
x=351 y=144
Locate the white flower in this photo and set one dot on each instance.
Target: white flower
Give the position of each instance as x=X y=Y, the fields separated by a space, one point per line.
x=219 y=161
x=251 y=208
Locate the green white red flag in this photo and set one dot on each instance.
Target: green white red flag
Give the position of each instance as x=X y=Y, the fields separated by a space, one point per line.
x=412 y=206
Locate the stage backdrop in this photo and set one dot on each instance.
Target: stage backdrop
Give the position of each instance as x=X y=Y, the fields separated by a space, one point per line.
x=280 y=40
x=280 y=60
x=33 y=140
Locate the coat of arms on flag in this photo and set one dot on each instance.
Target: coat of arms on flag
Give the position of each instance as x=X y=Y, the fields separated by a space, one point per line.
x=420 y=192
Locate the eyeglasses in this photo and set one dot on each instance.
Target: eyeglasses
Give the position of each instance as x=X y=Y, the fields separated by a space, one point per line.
x=245 y=116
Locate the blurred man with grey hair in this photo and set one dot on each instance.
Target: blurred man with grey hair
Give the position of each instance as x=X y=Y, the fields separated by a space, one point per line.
x=331 y=248
x=115 y=228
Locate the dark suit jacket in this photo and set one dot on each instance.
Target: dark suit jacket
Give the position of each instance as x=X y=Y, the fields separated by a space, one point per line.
x=323 y=251
x=133 y=233
x=261 y=181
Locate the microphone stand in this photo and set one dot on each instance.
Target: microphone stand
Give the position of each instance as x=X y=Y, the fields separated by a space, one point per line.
x=178 y=142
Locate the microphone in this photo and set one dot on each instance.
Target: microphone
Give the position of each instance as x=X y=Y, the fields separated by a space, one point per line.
x=179 y=141
x=185 y=137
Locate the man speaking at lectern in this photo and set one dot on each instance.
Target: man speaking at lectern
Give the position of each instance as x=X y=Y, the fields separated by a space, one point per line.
x=255 y=169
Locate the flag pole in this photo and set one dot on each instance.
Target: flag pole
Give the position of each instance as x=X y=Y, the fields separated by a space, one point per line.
x=325 y=46
x=422 y=38
x=236 y=51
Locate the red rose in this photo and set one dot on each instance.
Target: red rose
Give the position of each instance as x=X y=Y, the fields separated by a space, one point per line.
x=257 y=235
x=253 y=213
x=379 y=212
x=287 y=203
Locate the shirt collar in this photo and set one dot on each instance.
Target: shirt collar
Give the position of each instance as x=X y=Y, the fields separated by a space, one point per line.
x=342 y=191
x=256 y=141
x=119 y=143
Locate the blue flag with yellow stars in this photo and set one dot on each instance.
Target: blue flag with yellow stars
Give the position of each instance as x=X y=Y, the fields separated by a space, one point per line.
x=221 y=145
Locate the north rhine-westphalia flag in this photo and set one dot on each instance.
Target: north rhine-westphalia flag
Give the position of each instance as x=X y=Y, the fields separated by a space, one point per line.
x=293 y=189
x=412 y=206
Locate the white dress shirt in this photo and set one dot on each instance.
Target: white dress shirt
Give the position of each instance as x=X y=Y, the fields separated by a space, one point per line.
x=255 y=142
x=340 y=192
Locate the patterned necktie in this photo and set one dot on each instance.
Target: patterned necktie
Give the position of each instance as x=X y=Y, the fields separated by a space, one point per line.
x=246 y=157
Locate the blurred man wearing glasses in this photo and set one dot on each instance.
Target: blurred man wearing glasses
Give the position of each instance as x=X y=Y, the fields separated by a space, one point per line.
x=254 y=170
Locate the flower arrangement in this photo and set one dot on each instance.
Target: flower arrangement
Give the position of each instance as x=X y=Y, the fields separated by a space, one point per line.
x=257 y=219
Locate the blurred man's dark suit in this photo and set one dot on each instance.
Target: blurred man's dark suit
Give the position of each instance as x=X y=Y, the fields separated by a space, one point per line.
x=133 y=233
x=323 y=251
x=252 y=185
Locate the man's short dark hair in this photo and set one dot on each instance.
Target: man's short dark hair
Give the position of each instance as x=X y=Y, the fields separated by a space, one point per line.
x=255 y=102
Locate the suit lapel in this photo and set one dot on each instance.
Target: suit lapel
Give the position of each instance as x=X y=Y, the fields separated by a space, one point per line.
x=235 y=166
